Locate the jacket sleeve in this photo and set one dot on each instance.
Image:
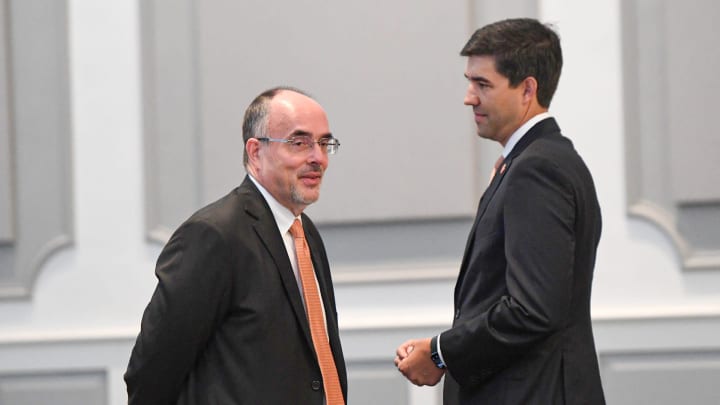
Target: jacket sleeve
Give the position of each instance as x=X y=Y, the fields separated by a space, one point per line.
x=538 y=213
x=186 y=307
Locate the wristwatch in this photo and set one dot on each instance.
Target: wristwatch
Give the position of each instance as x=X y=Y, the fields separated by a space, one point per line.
x=434 y=355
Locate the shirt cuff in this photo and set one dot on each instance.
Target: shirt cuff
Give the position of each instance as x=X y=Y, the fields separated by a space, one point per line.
x=439 y=350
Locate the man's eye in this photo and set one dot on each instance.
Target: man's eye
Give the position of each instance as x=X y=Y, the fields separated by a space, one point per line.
x=299 y=142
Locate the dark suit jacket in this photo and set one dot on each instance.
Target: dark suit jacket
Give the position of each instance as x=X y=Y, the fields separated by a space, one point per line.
x=226 y=324
x=522 y=331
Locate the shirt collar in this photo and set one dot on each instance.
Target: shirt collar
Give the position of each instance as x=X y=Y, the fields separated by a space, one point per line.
x=284 y=218
x=520 y=132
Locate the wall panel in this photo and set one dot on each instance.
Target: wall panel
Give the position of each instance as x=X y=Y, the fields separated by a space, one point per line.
x=663 y=378
x=7 y=194
x=410 y=159
x=172 y=142
x=671 y=136
x=70 y=388
x=376 y=383
x=397 y=111
x=35 y=212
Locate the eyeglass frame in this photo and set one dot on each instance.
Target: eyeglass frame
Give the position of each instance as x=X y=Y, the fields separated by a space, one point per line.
x=331 y=147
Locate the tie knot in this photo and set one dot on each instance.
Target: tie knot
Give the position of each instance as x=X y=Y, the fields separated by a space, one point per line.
x=296 y=230
x=499 y=161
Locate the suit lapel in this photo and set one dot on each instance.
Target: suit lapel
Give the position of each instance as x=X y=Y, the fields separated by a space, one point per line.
x=543 y=127
x=266 y=229
x=491 y=189
x=323 y=276
x=482 y=207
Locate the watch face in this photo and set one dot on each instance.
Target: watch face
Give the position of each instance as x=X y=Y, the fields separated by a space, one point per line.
x=436 y=359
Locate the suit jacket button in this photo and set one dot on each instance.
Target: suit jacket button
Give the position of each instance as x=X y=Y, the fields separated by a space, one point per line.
x=457 y=314
x=316 y=385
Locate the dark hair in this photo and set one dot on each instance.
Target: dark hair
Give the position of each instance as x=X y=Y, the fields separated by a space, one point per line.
x=522 y=47
x=256 y=115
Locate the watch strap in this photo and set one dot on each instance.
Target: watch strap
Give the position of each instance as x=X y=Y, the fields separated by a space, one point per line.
x=434 y=354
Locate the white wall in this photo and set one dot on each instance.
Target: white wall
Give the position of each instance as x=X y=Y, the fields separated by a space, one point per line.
x=95 y=291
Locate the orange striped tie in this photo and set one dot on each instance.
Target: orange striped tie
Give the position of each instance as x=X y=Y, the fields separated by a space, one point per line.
x=331 y=381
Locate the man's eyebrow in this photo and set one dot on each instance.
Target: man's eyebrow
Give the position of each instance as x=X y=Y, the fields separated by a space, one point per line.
x=300 y=132
x=477 y=78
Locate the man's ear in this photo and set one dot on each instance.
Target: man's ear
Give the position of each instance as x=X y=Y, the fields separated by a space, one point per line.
x=252 y=148
x=529 y=88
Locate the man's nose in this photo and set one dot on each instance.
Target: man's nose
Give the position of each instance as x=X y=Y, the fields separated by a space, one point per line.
x=318 y=154
x=471 y=97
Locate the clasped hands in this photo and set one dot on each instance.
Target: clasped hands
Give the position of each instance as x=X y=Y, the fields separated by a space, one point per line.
x=412 y=359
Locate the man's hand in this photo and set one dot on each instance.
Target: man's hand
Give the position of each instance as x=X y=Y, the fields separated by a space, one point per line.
x=412 y=359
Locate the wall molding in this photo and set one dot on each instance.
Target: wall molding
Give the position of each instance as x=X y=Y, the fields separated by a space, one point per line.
x=358 y=324
x=369 y=346
x=388 y=274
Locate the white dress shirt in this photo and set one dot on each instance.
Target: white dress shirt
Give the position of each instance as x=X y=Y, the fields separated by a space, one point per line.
x=284 y=219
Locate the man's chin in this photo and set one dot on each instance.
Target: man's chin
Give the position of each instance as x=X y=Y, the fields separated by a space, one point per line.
x=306 y=198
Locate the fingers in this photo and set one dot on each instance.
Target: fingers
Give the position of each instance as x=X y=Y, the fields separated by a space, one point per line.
x=413 y=361
x=422 y=377
x=402 y=350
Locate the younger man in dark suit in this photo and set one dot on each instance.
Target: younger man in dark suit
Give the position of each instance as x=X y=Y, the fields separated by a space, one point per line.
x=228 y=322
x=522 y=332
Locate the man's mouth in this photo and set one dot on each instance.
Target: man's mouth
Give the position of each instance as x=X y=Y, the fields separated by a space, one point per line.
x=311 y=179
x=480 y=117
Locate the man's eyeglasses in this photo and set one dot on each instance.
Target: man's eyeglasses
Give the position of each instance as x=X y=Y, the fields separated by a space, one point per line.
x=301 y=144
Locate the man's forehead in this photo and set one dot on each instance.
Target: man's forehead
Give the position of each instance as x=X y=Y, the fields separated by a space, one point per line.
x=292 y=99
x=482 y=67
x=289 y=102
x=296 y=112
x=480 y=62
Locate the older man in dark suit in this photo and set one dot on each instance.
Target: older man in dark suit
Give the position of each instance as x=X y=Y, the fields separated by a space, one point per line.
x=231 y=320
x=522 y=332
